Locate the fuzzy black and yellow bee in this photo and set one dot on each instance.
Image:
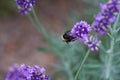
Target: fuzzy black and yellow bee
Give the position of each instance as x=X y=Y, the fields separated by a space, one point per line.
x=67 y=37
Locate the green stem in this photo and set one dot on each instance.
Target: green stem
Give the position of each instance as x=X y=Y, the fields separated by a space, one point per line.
x=31 y=20
x=78 y=72
x=40 y=28
x=110 y=51
x=108 y=63
x=109 y=57
x=116 y=22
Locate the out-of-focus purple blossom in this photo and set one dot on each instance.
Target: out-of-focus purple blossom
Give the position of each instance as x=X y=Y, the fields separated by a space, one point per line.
x=24 y=72
x=102 y=22
x=25 y=5
x=112 y=7
x=107 y=16
x=81 y=30
x=92 y=43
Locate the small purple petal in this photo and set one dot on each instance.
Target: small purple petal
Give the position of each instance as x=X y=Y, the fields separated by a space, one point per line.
x=42 y=70
x=103 y=6
x=112 y=19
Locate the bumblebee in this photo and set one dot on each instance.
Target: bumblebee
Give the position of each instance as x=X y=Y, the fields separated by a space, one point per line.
x=67 y=37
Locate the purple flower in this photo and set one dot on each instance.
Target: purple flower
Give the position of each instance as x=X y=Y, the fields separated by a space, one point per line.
x=81 y=30
x=107 y=16
x=112 y=7
x=25 y=5
x=24 y=72
x=92 y=43
x=102 y=22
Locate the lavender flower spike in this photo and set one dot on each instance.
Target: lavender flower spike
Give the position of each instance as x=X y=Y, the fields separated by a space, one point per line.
x=112 y=7
x=25 y=5
x=92 y=43
x=24 y=72
x=107 y=16
x=81 y=30
x=102 y=22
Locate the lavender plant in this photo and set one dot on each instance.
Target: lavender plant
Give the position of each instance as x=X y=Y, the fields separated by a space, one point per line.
x=25 y=5
x=100 y=41
x=24 y=72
